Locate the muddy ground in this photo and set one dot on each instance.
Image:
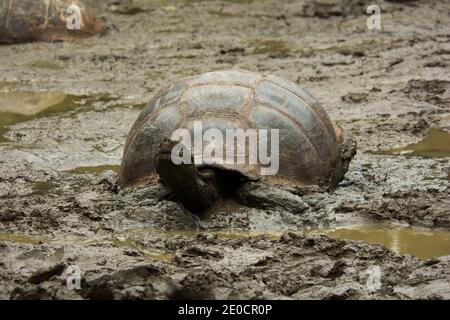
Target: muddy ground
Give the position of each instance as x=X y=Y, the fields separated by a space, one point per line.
x=60 y=203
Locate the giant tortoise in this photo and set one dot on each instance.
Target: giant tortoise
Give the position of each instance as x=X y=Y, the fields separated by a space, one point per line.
x=313 y=151
x=46 y=20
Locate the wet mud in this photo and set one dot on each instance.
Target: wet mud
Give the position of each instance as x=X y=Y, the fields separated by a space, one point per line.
x=66 y=109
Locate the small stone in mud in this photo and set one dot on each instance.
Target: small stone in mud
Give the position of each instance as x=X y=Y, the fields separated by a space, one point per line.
x=354 y=97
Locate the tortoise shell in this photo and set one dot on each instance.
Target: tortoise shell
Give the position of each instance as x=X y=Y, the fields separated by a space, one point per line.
x=43 y=20
x=309 y=146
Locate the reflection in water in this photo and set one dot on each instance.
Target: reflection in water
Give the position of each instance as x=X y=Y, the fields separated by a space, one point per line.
x=17 y=107
x=29 y=103
x=20 y=106
x=422 y=243
x=435 y=145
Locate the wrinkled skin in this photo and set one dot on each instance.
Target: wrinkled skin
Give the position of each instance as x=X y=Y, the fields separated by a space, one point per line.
x=43 y=20
x=196 y=190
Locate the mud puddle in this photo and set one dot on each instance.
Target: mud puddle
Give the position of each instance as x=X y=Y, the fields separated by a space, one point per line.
x=435 y=145
x=271 y=47
x=158 y=255
x=21 y=238
x=420 y=242
x=96 y=169
x=21 y=106
x=44 y=64
x=16 y=107
x=42 y=188
x=30 y=104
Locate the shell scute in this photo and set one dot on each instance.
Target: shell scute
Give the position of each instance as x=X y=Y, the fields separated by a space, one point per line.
x=293 y=144
x=218 y=98
x=232 y=77
x=303 y=115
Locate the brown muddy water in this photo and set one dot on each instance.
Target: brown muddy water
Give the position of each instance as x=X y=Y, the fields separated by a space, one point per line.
x=17 y=106
x=419 y=242
x=21 y=238
x=20 y=106
x=436 y=144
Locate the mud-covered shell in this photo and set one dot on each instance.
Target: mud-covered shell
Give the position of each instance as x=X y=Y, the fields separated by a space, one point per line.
x=309 y=146
x=44 y=20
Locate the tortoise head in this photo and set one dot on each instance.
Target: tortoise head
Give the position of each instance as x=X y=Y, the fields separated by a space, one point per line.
x=196 y=189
